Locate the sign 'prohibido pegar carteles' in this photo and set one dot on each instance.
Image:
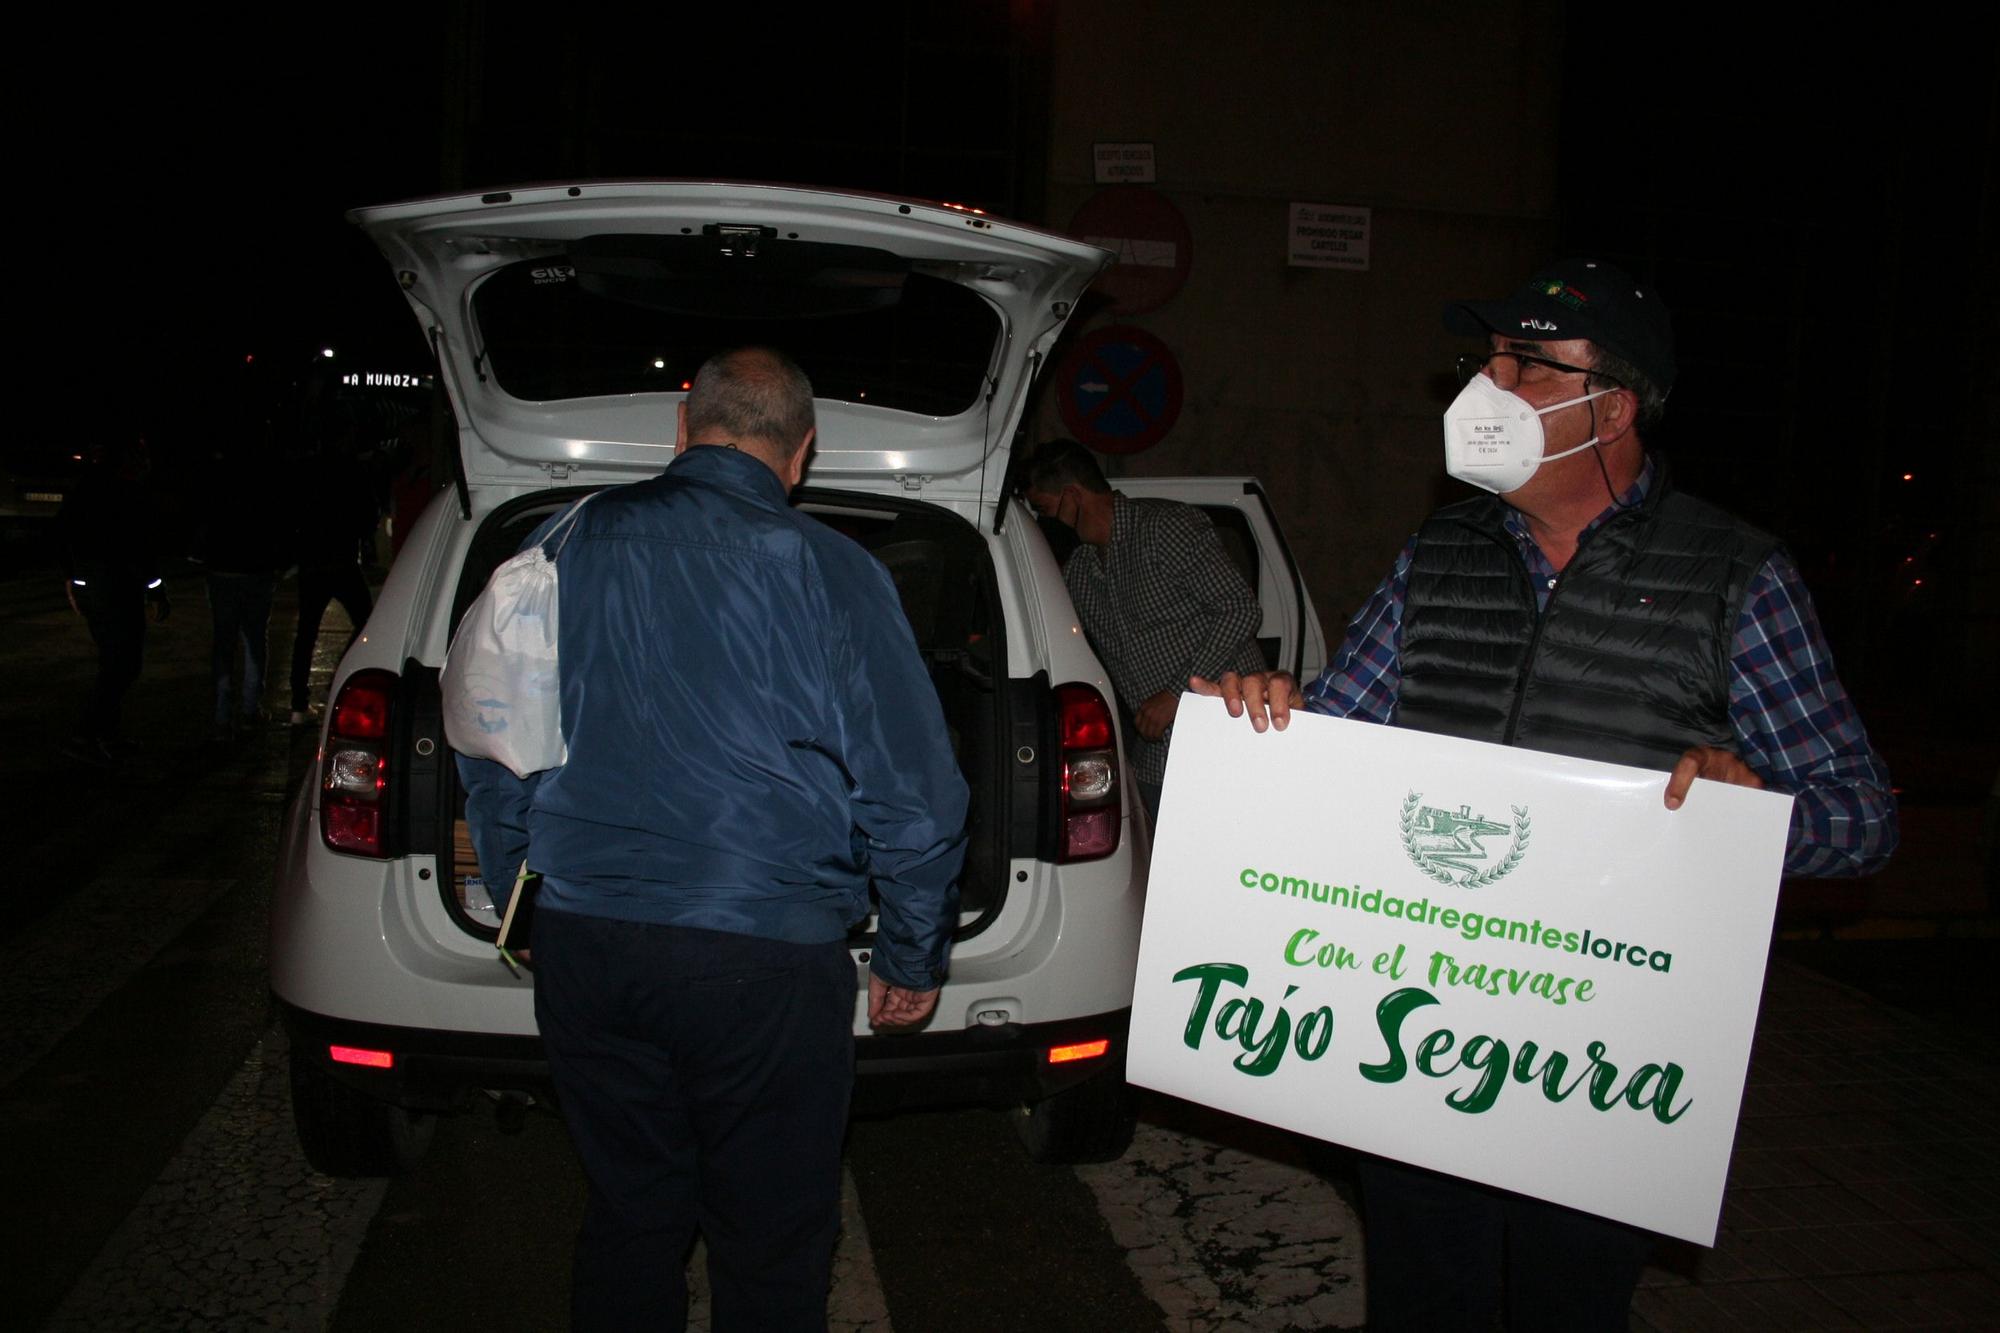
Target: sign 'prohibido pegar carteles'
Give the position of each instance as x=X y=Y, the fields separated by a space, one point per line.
x=1514 y=967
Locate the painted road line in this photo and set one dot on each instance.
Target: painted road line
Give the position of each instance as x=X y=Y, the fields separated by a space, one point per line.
x=89 y=945
x=237 y=1231
x=1232 y=1238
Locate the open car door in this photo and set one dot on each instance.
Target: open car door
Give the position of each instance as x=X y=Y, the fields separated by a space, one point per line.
x=1290 y=634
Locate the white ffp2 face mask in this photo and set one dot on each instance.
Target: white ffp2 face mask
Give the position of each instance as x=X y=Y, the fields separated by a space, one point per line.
x=1493 y=436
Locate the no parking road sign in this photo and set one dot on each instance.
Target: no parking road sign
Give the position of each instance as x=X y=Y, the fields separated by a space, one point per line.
x=1121 y=389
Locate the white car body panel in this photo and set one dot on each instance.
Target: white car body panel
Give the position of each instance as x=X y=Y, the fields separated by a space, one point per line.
x=382 y=942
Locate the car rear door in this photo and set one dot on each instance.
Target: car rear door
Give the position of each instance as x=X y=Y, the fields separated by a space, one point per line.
x=1290 y=634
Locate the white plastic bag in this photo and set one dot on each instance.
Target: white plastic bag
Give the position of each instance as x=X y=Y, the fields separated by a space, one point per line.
x=501 y=687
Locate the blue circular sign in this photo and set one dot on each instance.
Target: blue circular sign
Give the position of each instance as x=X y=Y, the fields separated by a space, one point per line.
x=1120 y=390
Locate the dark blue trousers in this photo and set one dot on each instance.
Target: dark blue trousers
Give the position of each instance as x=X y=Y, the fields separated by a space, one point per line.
x=317 y=587
x=1445 y=1253
x=241 y=605
x=704 y=1078
x=117 y=624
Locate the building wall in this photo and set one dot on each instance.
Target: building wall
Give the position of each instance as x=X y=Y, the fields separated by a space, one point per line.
x=1327 y=384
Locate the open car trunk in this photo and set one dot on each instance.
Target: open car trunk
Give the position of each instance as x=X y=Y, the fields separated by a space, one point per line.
x=945 y=580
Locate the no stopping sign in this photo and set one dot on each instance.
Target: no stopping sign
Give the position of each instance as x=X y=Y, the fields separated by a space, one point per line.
x=1120 y=389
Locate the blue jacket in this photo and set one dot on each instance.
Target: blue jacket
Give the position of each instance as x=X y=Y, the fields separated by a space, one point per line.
x=752 y=735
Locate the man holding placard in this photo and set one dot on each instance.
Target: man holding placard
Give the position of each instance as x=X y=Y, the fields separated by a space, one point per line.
x=1586 y=607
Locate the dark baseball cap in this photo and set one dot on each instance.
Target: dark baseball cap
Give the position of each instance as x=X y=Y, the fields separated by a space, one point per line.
x=1580 y=298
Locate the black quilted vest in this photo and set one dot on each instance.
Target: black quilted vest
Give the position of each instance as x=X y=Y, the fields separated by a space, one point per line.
x=1629 y=663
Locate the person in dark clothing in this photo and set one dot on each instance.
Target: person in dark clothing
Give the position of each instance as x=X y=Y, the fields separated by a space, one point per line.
x=754 y=744
x=243 y=546
x=1157 y=595
x=338 y=512
x=111 y=575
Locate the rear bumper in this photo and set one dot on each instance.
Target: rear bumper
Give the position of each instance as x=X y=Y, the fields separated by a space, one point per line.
x=1003 y=1065
x=431 y=1070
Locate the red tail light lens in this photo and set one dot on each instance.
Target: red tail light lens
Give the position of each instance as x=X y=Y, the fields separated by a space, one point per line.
x=1084 y=721
x=354 y=767
x=363 y=714
x=1091 y=791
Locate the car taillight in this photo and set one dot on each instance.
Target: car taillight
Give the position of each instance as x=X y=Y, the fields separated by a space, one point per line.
x=354 y=769
x=1090 y=785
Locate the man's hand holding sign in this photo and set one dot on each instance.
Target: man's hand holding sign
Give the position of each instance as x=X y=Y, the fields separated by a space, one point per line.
x=1268 y=699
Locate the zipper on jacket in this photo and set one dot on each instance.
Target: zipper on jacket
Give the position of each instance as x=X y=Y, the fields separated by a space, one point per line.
x=1541 y=614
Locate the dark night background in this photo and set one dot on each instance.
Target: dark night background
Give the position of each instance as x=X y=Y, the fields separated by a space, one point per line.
x=1817 y=205
x=1813 y=191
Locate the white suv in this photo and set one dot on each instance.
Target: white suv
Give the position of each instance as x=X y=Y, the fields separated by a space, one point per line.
x=566 y=322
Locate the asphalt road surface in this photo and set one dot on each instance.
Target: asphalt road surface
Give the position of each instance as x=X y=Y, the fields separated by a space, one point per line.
x=152 y=1180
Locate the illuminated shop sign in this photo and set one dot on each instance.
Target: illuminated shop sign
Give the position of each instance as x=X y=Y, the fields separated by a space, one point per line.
x=381 y=379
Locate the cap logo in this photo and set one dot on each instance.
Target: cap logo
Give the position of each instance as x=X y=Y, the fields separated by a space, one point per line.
x=1541 y=325
x=1567 y=295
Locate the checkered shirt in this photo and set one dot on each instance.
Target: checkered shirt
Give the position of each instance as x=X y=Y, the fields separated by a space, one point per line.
x=1160 y=603
x=1795 y=726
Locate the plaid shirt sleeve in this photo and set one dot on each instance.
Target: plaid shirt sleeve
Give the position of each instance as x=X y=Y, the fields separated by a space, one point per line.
x=1365 y=676
x=1797 y=729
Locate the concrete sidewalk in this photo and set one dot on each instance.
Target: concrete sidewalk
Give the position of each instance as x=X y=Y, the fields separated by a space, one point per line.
x=1862 y=1192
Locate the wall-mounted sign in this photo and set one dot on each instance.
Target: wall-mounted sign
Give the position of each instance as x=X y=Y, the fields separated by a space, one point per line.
x=1329 y=236
x=1120 y=389
x=1151 y=239
x=1122 y=163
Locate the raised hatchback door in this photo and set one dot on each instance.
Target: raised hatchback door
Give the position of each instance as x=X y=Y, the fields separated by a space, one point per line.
x=570 y=319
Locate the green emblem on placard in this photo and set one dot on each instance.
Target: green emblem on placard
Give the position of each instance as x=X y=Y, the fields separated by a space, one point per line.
x=1447 y=845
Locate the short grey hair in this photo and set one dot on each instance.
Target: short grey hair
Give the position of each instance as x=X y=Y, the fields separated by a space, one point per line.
x=753 y=395
x=1609 y=366
x=1059 y=463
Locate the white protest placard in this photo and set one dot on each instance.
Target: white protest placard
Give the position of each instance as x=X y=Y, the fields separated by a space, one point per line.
x=1514 y=967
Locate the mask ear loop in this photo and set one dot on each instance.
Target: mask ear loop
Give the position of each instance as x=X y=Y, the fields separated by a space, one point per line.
x=1602 y=470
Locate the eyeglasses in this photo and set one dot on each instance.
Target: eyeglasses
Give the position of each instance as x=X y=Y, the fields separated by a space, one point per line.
x=1471 y=364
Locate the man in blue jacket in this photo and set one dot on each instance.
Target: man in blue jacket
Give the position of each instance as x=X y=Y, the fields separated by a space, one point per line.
x=753 y=740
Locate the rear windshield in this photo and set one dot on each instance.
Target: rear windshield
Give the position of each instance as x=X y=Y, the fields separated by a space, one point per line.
x=637 y=314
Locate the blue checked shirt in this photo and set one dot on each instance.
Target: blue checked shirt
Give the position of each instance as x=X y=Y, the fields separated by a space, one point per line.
x=1795 y=726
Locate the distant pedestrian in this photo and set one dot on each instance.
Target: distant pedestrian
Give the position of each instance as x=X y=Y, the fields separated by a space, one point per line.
x=243 y=545
x=109 y=541
x=335 y=512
